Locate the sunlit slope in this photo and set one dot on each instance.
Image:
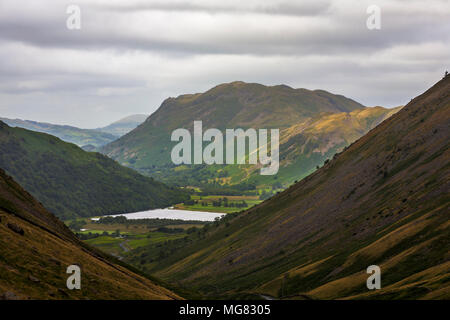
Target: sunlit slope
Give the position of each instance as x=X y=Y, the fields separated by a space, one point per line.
x=36 y=249
x=383 y=201
x=71 y=182
x=307 y=144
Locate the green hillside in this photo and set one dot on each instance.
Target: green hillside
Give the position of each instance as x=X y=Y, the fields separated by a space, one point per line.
x=71 y=182
x=383 y=201
x=310 y=131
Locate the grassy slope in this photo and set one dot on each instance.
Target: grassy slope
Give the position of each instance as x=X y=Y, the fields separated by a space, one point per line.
x=383 y=201
x=232 y=105
x=71 y=182
x=33 y=265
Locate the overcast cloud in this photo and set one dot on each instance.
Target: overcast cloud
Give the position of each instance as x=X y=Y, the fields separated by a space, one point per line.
x=131 y=55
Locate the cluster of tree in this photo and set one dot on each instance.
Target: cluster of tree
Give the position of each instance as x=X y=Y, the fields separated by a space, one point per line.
x=77 y=225
x=190 y=202
x=235 y=190
x=232 y=204
x=113 y=220
x=150 y=223
x=170 y=230
x=90 y=235
x=277 y=185
x=265 y=195
x=225 y=203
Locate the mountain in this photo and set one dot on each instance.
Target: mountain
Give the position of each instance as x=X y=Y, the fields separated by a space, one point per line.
x=73 y=183
x=36 y=249
x=125 y=125
x=80 y=137
x=324 y=123
x=383 y=201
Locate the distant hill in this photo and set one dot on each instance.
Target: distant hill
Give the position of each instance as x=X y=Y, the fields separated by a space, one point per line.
x=314 y=125
x=91 y=139
x=383 y=201
x=80 y=137
x=71 y=182
x=89 y=148
x=125 y=125
x=37 y=248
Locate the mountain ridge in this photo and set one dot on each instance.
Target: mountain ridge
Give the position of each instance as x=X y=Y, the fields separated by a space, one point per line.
x=252 y=93
x=81 y=137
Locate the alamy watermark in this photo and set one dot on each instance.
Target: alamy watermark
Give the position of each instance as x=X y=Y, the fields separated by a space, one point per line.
x=373 y=22
x=73 y=21
x=213 y=153
x=74 y=280
x=374 y=281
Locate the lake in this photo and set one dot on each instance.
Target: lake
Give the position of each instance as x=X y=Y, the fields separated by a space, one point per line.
x=170 y=214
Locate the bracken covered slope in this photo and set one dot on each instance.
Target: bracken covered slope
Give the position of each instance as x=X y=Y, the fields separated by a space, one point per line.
x=36 y=249
x=383 y=201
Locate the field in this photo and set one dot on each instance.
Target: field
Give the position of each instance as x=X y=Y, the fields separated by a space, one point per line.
x=220 y=204
x=120 y=245
x=119 y=238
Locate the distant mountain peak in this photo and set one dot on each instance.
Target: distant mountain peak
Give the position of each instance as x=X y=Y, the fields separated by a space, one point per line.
x=124 y=125
x=135 y=118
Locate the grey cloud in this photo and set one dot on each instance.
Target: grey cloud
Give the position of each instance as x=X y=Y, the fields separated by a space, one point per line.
x=306 y=8
x=130 y=55
x=340 y=33
x=83 y=84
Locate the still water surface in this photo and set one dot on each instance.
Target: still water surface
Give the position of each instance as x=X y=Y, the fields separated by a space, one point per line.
x=170 y=214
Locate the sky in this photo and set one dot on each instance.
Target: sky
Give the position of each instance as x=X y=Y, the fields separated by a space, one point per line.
x=128 y=56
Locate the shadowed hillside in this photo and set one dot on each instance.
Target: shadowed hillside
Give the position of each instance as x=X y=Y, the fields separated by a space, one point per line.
x=72 y=183
x=36 y=249
x=383 y=201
